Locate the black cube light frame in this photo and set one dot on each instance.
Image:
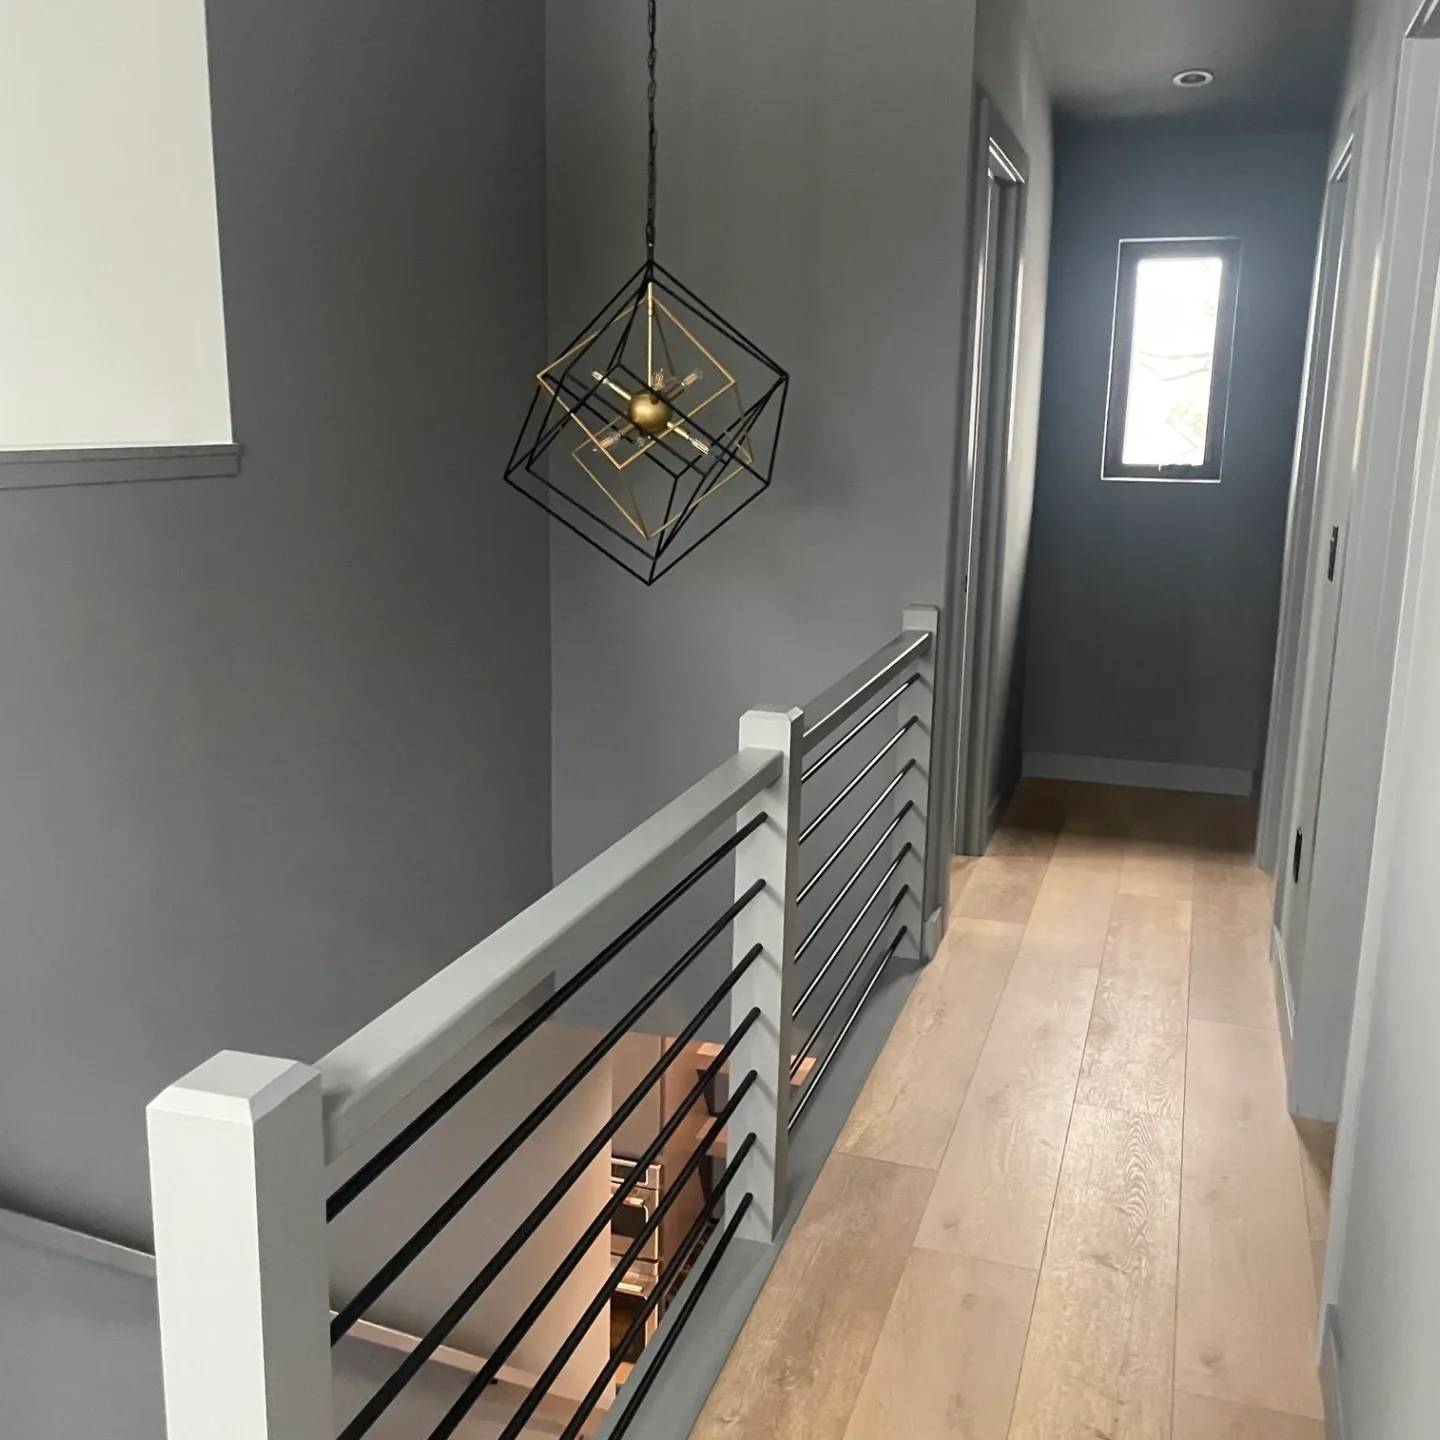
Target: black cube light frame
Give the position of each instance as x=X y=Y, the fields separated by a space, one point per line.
x=641 y=454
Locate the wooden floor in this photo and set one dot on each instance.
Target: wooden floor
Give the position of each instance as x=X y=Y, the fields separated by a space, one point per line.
x=1070 y=1204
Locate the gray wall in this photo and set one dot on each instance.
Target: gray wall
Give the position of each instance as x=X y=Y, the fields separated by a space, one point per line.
x=274 y=749
x=815 y=189
x=1154 y=606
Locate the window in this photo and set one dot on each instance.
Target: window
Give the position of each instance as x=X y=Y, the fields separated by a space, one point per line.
x=1170 y=359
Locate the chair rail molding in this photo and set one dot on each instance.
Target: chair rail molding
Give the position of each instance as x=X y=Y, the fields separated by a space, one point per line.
x=115 y=465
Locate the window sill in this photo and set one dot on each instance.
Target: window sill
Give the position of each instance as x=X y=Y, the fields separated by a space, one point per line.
x=115 y=465
x=1160 y=479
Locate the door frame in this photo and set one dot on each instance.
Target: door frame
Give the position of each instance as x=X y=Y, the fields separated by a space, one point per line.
x=1410 y=525
x=1397 y=251
x=997 y=277
x=1327 y=307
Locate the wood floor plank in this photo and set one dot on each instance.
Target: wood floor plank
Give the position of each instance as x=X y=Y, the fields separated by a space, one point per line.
x=996 y=1184
x=1317 y=1160
x=1198 y=1417
x=949 y=1355
x=797 y=1367
x=1231 y=980
x=1001 y=887
x=907 y=1111
x=1246 y=1310
x=1033 y=820
x=1071 y=915
x=1157 y=868
x=1100 y=1353
x=1135 y=1054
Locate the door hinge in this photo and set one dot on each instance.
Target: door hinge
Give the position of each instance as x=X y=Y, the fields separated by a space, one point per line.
x=1334 y=549
x=1299 y=850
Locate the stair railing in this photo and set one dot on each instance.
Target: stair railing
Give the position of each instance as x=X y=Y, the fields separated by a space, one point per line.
x=253 y=1159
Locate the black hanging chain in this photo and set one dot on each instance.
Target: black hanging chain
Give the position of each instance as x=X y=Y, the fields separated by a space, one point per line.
x=654 y=145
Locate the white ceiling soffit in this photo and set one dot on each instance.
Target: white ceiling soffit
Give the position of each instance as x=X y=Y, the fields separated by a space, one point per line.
x=1277 y=61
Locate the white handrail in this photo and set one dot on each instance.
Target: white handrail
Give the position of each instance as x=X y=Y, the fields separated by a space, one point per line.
x=367 y=1076
x=239 y=1147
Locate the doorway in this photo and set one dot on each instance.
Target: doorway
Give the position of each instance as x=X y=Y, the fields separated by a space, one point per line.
x=988 y=762
x=1305 y=546
x=1310 y=609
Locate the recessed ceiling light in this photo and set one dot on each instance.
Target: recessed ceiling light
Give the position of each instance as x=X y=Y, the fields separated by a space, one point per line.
x=1193 y=79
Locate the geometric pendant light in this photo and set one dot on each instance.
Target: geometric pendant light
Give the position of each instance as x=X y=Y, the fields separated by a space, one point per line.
x=658 y=424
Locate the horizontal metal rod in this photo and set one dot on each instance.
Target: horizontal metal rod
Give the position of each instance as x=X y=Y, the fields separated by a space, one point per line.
x=366 y=1077
x=859 y=780
x=488 y=1168
x=818 y=978
x=803 y=1053
x=850 y=884
x=639 y=1388
x=828 y=712
x=436 y=1111
x=818 y=1074
x=688 y=1245
x=859 y=825
x=465 y=1302
x=516 y=1425
x=675 y=1185
x=816 y=766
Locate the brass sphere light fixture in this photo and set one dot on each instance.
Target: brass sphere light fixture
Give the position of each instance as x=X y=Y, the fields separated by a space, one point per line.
x=660 y=422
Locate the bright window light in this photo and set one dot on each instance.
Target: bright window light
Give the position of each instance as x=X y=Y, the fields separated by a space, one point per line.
x=1174 y=324
x=1172 y=360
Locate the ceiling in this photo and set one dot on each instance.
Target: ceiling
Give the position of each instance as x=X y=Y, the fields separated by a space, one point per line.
x=1278 y=61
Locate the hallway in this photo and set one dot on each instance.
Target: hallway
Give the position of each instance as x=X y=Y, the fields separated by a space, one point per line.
x=1070 y=1204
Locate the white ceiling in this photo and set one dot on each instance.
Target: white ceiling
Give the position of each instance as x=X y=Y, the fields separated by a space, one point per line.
x=1280 y=61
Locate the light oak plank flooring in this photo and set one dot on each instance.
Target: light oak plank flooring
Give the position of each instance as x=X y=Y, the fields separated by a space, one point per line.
x=949 y=1355
x=1231 y=980
x=1135 y=1057
x=996 y=1186
x=907 y=1110
x=797 y=1368
x=1001 y=887
x=1246 y=1317
x=1198 y=1417
x=1071 y=916
x=1317 y=1160
x=1069 y=1204
x=1101 y=1345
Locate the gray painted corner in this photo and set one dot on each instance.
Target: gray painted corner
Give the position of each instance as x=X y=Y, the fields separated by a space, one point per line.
x=1153 y=608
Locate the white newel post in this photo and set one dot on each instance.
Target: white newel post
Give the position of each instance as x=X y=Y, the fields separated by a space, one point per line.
x=237 y=1184
x=918 y=702
x=771 y=854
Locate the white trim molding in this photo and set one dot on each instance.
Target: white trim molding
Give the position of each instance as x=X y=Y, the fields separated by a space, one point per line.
x=1284 y=1001
x=54 y=1239
x=1141 y=774
x=1330 y=1377
x=115 y=465
x=61 y=1240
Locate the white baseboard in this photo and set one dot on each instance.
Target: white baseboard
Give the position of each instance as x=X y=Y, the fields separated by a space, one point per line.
x=1140 y=774
x=1330 y=1378
x=934 y=934
x=1284 y=1000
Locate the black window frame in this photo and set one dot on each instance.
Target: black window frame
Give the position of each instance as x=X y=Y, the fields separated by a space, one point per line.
x=1132 y=253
